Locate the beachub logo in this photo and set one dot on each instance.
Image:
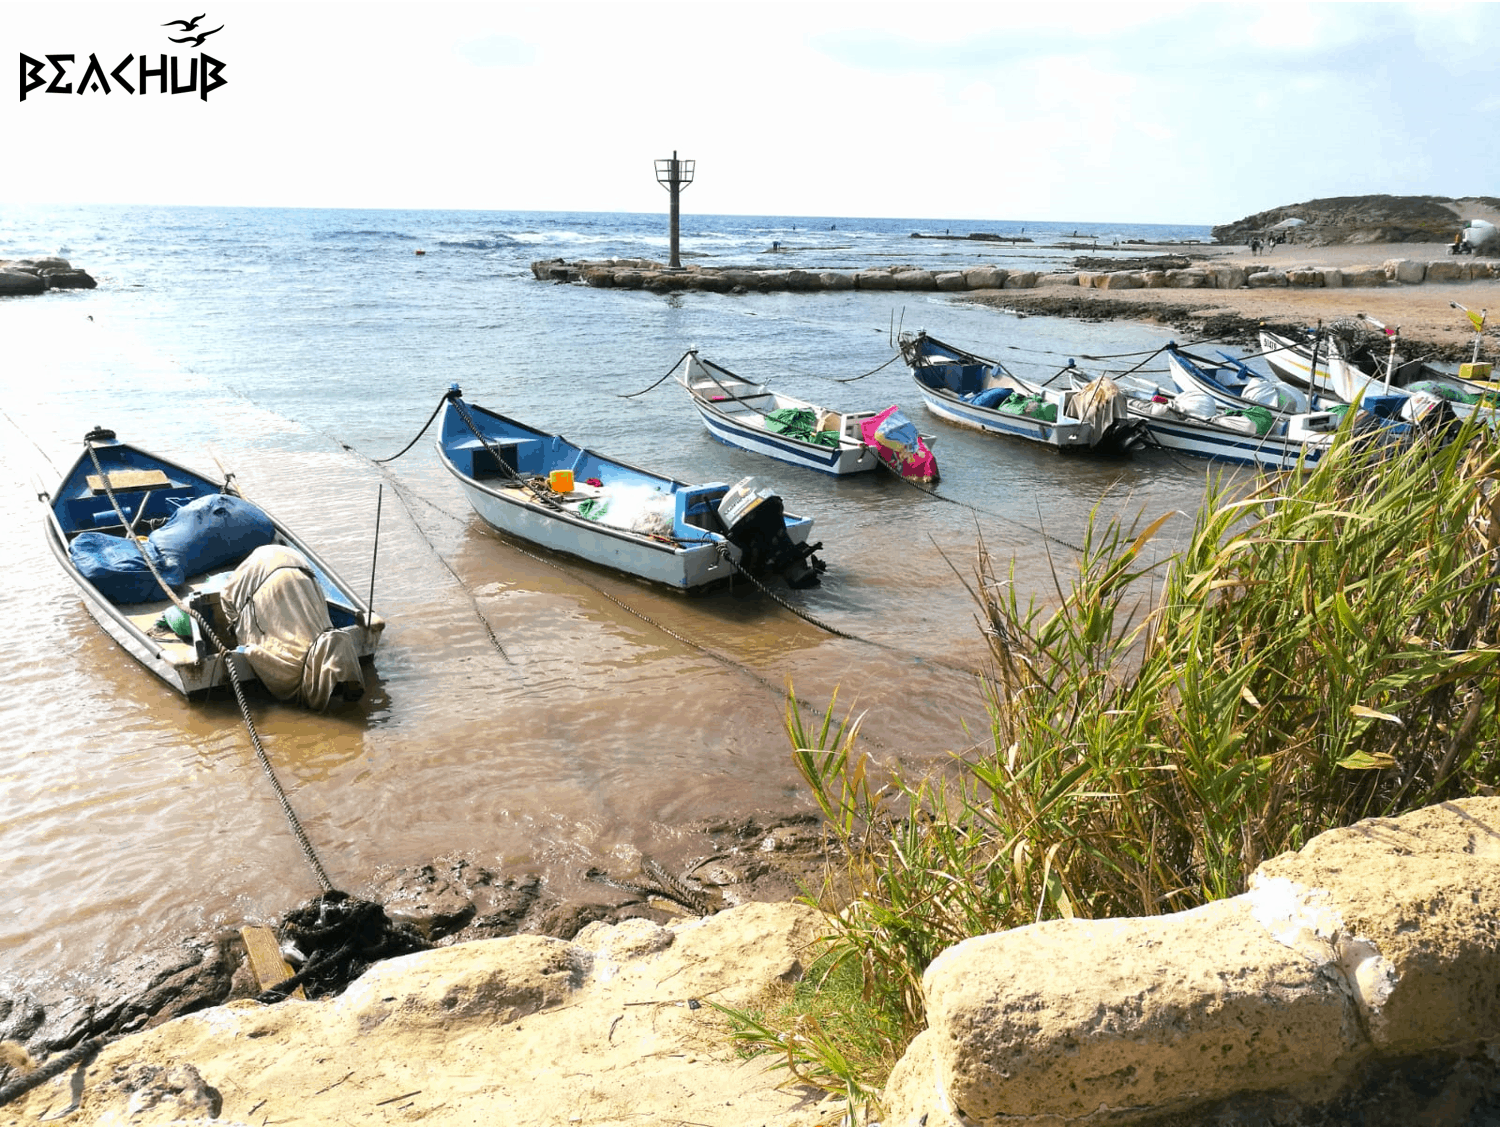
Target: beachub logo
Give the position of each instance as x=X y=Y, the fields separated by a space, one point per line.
x=165 y=74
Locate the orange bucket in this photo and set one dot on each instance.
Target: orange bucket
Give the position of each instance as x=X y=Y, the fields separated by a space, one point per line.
x=561 y=481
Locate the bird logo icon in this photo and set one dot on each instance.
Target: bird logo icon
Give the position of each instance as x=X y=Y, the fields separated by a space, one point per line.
x=191 y=26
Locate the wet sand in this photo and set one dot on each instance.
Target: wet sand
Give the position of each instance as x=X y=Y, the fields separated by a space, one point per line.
x=1424 y=313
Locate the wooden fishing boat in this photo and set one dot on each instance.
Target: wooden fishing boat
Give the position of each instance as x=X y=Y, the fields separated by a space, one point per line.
x=1294 y=361
x=1194 y=422
x=1359 y=373
x=751 y=416
x=541 y=488
x=177 y=569
x=969 y=390
x=1234 y=383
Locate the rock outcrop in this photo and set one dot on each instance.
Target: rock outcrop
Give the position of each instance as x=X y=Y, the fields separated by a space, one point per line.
x=23 y=276
x=1364 y=219
x=1372 y=951
x=613 y=1027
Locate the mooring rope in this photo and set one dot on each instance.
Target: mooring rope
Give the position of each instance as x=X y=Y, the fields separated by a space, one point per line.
x=81 y=1053
x=225 y=657
x=659 y=382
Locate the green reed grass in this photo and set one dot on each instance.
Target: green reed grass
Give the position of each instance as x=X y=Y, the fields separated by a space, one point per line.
x=1321 y=650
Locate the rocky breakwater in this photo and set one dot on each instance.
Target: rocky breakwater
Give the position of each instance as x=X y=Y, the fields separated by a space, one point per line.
x=1357 y=981
x=21 y=276
x=1164 y=272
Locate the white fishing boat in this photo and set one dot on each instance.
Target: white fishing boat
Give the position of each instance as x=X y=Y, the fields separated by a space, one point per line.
x=1192 y=421
x=972 y=391
x=739 y=412
x=1234 y=383
x=541 y=488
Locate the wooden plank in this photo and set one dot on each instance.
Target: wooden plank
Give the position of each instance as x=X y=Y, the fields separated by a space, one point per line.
x=123 y=480
x=266 y=962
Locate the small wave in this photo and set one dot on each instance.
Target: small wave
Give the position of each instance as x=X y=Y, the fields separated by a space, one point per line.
x=497 y=242
x=371 y=234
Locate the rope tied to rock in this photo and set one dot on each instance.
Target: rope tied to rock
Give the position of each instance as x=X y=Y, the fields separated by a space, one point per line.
x=222 y=653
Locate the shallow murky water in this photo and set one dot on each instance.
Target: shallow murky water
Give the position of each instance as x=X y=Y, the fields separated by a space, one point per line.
x=541 y=713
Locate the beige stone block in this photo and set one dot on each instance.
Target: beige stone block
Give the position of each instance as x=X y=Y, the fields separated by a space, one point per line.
x=915 y=280
x=985 y=277
x=1364 y=276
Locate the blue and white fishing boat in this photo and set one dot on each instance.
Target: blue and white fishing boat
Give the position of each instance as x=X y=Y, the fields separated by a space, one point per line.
x=739 y=412
x=969 y=390
x=541 y=488
x=188 y=576
x=1193 y=422
x=1234 y=383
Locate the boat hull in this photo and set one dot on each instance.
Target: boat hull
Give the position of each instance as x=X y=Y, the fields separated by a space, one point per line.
x=1065 y=435
x=840 y=461
x=1204 y=440
x=694 y=554
x=180 y=664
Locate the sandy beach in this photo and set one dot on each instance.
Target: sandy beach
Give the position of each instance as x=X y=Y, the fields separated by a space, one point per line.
x=1424 y=313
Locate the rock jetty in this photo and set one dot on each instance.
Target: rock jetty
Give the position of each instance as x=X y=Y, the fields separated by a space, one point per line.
x=22 y=276
x=642 y=274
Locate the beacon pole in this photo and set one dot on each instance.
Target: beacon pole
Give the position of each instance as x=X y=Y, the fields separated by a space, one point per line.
x=674 y=175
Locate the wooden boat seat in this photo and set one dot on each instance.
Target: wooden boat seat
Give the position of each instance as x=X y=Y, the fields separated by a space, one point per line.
x=125 y=481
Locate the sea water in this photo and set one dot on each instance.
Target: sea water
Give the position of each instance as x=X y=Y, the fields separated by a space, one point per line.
x=538 y=714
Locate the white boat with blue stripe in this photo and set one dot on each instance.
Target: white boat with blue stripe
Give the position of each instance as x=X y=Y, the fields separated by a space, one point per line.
x=972 y=391
x=543 y=489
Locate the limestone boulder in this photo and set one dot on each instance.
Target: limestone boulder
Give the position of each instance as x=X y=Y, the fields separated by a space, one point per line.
x=1267 y=279
x=835 y=280
x=1409 y=905
x=1073 y=1017
x=1118 y=280
x=1406 y=271
x=875 y=280
x=612 y=1027
x=985 y=277
x=1021 y=280
x=1364 y=276
x=915 y=280
x=1154 y=279
x=1372 y=948
x=1192 y=278
x=1227 y=276
x=1450 y=270
x=1057 y=279
x=950 y=280
x=1333 y=278
x=1305 y=277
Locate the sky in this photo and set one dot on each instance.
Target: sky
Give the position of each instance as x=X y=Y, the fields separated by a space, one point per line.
x=1197 y=113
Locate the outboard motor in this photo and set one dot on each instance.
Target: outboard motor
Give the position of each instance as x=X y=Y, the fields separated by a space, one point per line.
x=754 y=520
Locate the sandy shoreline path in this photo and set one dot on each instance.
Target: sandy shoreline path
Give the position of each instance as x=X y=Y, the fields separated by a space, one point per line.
x=1424 y=312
